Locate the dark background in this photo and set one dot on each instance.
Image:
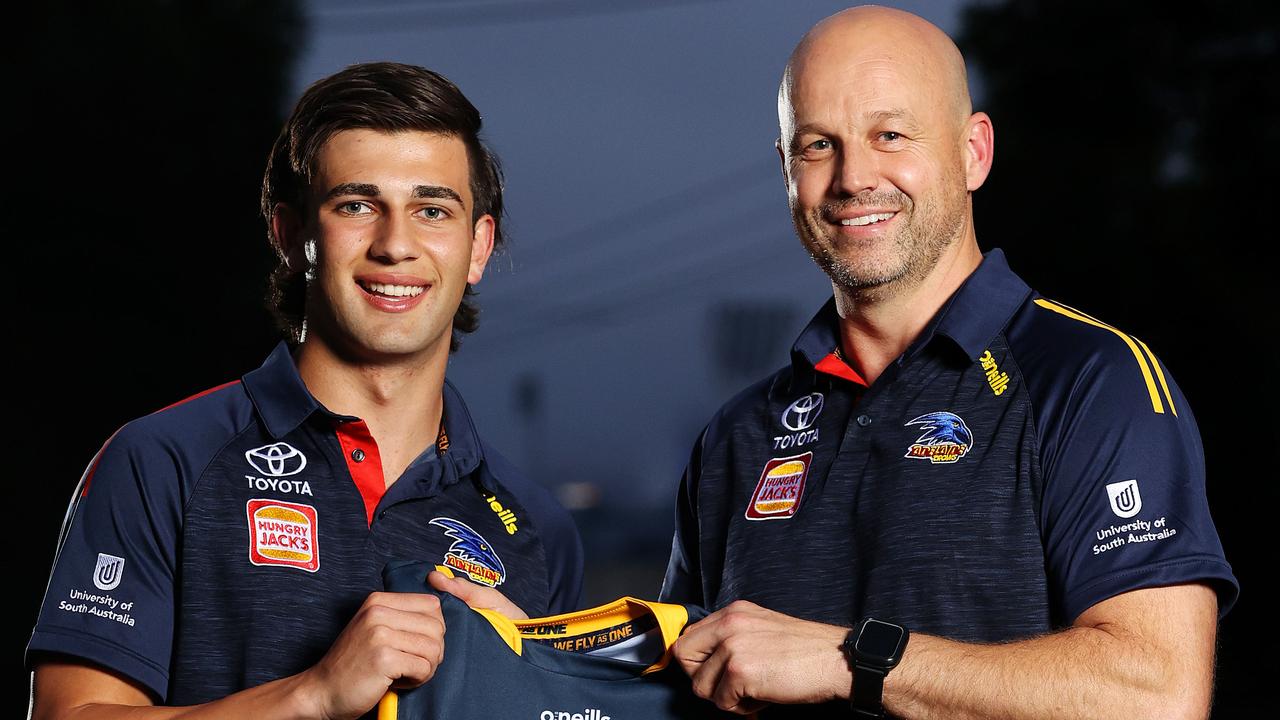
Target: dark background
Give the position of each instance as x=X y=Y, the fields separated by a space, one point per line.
x=1134 y=177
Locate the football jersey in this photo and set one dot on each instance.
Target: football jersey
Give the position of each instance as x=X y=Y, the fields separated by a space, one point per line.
x=606 y=663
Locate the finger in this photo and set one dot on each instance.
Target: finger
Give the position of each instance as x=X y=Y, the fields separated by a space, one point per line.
x=705 y=675
x=408 y=670
x=697 y=644
x=376 y=618
x=748 y=706
x=730 y=693
x=408 y=602
x=476 y=596
x=395 y=654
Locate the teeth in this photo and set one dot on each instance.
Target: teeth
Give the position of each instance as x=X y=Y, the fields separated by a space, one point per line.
x=395 y=290
x=867 y=219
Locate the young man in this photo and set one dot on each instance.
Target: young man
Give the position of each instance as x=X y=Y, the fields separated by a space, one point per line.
x=223 y=553
x=1001 y=496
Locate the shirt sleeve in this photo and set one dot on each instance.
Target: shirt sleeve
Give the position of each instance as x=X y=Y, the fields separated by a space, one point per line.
x=1124 y=504
x=110 y=598
x=683 y=581
x=560 y=538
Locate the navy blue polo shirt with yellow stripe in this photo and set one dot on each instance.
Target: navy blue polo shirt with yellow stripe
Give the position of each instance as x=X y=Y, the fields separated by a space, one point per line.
x=226 y=541
x=1019 y=463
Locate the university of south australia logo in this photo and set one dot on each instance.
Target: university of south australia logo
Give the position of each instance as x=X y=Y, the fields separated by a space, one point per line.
x=945 y=439
x=1125 y=499
x=276 y=460
x=108 y=571
x=470 y=554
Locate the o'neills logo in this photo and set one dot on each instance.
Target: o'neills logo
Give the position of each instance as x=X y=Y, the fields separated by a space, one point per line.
x=781 y=485
x=586 y=714
x=283 y=533
x=506 y=515
x=999 y=381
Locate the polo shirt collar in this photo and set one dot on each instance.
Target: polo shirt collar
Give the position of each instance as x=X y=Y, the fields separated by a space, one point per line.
x=278 y=393
x=973 y=315
x=464 y=442
x=982 y=307
x=284 y=402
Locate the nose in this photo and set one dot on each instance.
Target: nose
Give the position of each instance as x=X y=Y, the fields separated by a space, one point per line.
x=394 y=240
x=856 y=171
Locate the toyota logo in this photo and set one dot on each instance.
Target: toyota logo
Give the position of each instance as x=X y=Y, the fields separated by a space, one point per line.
x=802 y=413
x=276 y=460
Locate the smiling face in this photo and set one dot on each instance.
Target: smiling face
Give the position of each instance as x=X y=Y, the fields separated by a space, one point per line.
x=389 y=215
x=873 y=143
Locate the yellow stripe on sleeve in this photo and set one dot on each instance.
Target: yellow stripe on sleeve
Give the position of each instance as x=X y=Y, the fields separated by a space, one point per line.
x=1160 y=375
x=1137 y=353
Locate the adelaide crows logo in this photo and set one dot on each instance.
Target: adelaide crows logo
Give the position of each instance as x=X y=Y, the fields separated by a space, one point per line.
x=471 y=554
x=946 y=438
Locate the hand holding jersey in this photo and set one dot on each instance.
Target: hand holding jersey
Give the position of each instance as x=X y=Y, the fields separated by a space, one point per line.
x=745 y=657
x=395 y=640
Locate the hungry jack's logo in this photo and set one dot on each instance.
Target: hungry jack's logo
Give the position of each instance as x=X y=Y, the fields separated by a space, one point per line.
x=470 y=554
x=283 y=533
x=781 y=485
x=946 y=438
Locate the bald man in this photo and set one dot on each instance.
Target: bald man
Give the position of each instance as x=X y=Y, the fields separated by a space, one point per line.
x=961 y=499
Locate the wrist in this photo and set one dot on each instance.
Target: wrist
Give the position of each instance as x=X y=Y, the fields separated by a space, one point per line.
x=839 y=678
x=304 y=696
x=873 y=648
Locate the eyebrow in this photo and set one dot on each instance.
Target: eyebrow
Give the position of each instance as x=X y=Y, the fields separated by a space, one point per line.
x=371 y=190
x=896 y=114
x=878 y=116
x=436 y=191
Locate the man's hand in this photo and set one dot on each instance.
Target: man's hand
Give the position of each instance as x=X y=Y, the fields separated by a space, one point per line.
x=744 y=656
x=394 y=640
x=476 y=596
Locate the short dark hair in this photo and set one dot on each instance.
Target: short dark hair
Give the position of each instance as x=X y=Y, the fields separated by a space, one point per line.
x=388 y=97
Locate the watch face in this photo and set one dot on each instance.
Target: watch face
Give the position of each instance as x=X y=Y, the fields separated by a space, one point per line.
x=879 y=640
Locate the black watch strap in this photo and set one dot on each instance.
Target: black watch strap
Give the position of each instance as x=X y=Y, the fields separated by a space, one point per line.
x=868 y=690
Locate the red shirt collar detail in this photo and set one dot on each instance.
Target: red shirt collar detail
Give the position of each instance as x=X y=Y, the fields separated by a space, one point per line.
x=833 y=365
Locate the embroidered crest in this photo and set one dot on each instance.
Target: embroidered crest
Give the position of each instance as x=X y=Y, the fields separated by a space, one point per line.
x=283 y=533
x=471 y=554
x=946 y=438
x=781 y=485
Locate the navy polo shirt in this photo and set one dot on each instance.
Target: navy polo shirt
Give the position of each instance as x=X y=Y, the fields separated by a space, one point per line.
x=1019 y=463
x=225 y=541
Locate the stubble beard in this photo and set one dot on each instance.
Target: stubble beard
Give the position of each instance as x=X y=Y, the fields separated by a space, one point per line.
x=915 y=248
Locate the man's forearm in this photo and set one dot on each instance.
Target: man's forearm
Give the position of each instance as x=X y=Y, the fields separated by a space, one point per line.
x=1105 y=670
x=283 y=699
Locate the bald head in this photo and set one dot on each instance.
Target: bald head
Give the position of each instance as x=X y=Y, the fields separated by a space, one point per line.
x=869 y=37
x=880 y=150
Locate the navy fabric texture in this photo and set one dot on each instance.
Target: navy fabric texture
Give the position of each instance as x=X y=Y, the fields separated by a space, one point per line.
x=1018 y=464
x=221 y=543
x=481 y=678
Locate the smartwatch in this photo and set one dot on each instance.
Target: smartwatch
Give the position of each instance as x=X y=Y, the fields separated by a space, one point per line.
x=873 y=647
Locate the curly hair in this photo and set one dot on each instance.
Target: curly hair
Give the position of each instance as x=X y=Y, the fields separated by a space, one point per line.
x=383 y=96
